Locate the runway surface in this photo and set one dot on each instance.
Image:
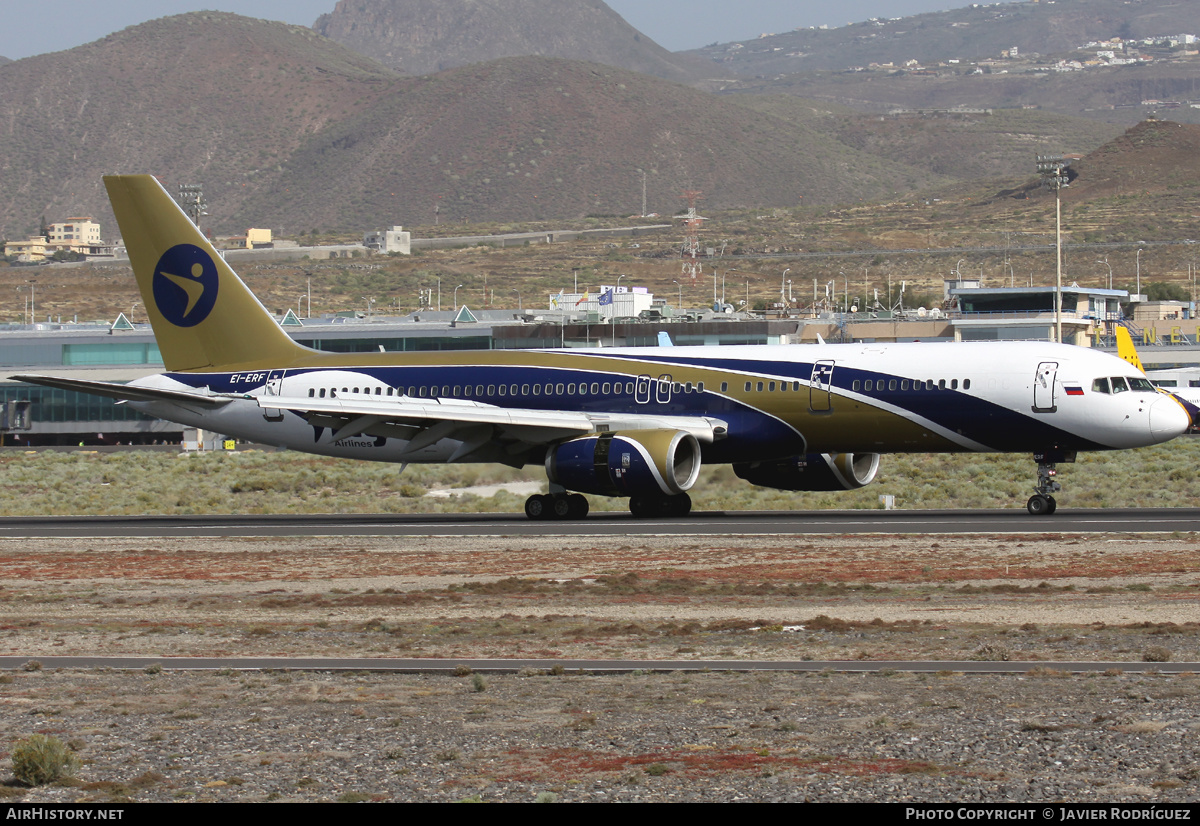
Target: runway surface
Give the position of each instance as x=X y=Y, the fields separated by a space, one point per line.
x=500 y=666
x=1014 y=521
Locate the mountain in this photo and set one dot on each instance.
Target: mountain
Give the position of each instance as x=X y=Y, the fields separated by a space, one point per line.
x=206 y=97
x=1117 y=94
x=966 y=34
x=1142 y=60
x=288 y=129
x=420 y=37
x=537 y=138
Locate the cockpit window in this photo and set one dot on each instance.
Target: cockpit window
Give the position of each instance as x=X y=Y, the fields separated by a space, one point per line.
x=1100 y=386
x=1119 y=385
x=1141 y=385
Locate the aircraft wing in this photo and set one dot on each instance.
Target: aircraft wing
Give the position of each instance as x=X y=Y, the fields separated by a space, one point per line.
x=425 y=421
x=129 y=392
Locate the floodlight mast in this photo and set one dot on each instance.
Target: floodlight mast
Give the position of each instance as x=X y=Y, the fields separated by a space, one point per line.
x=1053 y=169
x=191 y=198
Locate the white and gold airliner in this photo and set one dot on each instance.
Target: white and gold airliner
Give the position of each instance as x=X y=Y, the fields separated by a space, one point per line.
x=629 y=422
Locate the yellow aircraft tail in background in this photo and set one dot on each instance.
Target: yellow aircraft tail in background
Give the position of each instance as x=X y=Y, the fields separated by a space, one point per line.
x=1126 y=350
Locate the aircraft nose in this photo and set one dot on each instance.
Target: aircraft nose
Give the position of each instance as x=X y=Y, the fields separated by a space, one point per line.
x=1168 y=419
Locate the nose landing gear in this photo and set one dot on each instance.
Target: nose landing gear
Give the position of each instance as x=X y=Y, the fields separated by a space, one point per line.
x=1042 y=502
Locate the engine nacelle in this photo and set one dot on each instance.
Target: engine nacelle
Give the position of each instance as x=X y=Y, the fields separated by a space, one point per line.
x=814 y=471
x=627 y=463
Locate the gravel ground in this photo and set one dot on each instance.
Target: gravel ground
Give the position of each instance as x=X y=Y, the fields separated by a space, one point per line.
x=1042 y=736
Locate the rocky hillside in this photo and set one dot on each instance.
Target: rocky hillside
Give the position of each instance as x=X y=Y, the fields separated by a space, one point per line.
x=533 y=138
x=203 y=97
x=291 y=130
x=420 y=37
x=977 y=31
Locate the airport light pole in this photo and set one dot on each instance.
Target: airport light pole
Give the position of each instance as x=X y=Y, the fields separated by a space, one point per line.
x=456 y=289
x=1139 y=272
x=1053 y=169
x=1110 y=274
x=520 y=307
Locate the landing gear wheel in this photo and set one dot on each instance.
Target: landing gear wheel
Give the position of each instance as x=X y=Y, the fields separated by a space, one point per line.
x=578 y=506
x=560 y=507
x=681 y=505
x=537 y=506
x=1039 y=505
x=647 y=507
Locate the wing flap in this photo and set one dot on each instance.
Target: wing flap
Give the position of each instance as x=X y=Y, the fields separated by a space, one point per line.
x=522 y=424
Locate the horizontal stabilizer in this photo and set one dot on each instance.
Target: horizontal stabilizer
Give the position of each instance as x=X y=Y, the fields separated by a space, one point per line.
x=127 y=392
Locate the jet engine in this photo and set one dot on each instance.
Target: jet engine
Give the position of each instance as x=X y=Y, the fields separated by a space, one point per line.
x=814 y=471
x=627 y=463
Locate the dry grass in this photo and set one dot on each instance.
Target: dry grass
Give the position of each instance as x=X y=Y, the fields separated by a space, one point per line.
x=256 y=482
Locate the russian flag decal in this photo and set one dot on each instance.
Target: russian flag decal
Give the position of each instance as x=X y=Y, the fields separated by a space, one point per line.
x=1073 y=389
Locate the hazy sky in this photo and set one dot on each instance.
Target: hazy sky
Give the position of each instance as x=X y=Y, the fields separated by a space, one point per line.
x=29 y=28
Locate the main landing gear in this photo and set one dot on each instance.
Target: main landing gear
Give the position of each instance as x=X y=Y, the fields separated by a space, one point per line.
x=1042 y=502
x=565 y=505
x=644 y=507
x=556 y=506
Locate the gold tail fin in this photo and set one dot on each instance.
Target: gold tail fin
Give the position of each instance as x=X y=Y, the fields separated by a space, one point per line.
x=1126 y=350
x=203 y=316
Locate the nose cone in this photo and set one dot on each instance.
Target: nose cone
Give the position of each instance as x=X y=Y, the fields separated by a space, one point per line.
x=1168 y=419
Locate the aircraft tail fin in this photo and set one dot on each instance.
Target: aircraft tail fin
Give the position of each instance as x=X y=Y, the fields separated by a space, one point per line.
x=1126 y=350
x=203 y=315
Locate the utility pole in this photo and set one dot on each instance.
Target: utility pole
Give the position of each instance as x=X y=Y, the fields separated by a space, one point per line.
x=191 y=197
x=1053 y=169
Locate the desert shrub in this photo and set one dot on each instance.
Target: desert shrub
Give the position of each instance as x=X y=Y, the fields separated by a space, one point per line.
x=41 y=759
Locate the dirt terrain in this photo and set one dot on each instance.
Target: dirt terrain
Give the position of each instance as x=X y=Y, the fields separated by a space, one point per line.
x=1044 y=735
